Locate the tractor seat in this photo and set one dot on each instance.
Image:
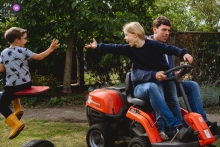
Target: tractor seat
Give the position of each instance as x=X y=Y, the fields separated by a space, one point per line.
x=129 y=92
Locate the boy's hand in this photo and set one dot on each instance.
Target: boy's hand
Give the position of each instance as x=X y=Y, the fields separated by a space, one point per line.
x=54 y=44
x=92 y=45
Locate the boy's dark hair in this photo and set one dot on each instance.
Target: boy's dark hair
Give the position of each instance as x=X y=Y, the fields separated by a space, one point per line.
x=161 y=20
x=14 y=33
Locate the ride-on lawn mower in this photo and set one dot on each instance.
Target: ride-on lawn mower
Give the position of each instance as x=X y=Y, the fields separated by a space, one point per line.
x=113 y=115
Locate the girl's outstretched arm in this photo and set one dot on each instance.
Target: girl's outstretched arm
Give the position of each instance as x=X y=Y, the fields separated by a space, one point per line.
x=92 y=45
x=2 y=67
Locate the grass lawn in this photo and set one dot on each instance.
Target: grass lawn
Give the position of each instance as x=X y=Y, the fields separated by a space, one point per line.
x=61 y=134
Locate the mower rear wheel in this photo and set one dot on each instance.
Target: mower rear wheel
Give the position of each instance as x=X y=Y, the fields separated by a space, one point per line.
x=140 y=141
x=100 y=135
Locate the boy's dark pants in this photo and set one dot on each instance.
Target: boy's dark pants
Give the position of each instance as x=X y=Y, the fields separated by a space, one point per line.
x=11 y=119
x=8 y=95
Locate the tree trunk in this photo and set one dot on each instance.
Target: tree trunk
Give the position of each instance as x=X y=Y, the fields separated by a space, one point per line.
x=68 y=68
x=80 y=66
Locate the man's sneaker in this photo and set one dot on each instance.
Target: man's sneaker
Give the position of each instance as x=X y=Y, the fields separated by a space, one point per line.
x=185 y=134
x=214 y=128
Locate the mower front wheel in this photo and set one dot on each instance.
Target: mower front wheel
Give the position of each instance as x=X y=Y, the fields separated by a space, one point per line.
x=100 y=135
x=140 y=141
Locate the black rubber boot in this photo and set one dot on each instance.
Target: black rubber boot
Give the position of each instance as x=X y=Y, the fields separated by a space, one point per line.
x=214 y=128
x=185 y=134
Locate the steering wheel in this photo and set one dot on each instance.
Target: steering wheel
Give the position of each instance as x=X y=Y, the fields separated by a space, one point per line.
x=183 y=70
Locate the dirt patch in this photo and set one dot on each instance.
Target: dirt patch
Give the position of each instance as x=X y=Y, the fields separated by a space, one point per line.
x=214 y=117
x=74 y=114
x=77 y=114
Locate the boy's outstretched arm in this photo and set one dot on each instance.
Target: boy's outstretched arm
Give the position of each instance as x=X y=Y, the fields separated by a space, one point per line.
x=2 y=67
x=55 y=44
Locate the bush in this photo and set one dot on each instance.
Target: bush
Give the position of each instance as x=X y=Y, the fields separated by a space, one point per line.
x=45 y=80
x=210 y=95
x=59 y=101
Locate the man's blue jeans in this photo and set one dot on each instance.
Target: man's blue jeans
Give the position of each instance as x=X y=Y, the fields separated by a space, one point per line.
x=192 y=91
x=154 y=93
x=169 y=88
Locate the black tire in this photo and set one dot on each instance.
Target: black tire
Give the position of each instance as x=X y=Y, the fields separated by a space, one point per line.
x=88 y=116
x=38 y=143
x=100 y=135
x=140 y=141
x=211 y=145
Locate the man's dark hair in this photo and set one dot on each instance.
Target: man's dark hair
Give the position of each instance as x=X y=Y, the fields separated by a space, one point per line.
x=161 y=20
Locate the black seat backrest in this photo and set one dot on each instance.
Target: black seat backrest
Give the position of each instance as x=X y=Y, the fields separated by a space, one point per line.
x=143 y=104
x=128 y=84
x=129 y=92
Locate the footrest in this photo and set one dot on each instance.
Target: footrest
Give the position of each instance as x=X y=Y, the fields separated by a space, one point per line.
x=34 y=90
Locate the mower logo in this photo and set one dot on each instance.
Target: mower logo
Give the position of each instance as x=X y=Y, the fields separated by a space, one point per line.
x=90 y=101
x=201 y=119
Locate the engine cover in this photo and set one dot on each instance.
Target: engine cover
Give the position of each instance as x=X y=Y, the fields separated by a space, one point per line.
x=105 y=101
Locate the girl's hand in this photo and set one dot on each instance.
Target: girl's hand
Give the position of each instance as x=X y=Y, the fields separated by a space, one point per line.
x=92 y=45
x=160 y=76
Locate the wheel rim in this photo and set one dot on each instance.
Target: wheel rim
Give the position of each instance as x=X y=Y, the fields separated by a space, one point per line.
x=136 y=145
x=96 y=139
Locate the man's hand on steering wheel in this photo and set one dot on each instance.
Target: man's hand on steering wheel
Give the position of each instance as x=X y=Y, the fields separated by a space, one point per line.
x=188 y=57
x=183 y=77
x=183 y=69
x=160 y=76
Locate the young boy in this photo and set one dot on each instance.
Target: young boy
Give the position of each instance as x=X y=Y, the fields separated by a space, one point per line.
x=14 y=62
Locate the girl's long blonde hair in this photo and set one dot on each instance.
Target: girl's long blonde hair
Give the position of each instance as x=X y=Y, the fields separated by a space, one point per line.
x=134 y=28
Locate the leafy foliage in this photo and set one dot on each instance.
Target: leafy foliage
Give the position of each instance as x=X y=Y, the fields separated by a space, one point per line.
x=43 y=80
x=204 y=47
x=190 y=15
x=55 y=101
x=84 y=19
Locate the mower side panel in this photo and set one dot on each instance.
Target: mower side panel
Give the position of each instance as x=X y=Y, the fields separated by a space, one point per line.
x=197 y=122
x=146 y=121
x=183 y=111
x=105 y=101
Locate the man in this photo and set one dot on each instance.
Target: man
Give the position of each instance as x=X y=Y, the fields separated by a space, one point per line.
x=161 y=29
x=147 y=90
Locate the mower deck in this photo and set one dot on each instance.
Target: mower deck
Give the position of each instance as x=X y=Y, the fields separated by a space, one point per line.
x=176 y=142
